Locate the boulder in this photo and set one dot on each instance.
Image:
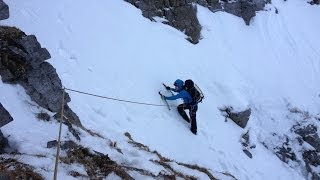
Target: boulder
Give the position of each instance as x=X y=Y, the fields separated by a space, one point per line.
x=5 y=117
x=52 y=144
x=240 y=118
x=65 y=145
x=247 y=153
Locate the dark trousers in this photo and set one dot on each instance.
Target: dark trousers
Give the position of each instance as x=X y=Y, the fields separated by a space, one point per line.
x=192 y=113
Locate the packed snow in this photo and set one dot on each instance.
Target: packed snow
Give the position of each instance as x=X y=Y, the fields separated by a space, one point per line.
x=108 y=48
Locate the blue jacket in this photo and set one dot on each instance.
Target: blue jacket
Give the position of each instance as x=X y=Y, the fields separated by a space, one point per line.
x=181 y=93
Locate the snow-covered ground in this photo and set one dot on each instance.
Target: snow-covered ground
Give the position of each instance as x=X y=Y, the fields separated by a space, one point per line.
x=108 y=48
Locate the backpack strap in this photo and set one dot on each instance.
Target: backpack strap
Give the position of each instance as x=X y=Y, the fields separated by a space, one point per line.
x=201 y=93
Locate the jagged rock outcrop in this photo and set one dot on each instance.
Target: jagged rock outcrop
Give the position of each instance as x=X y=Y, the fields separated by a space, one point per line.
x=182 y=14
x=240 y=118
x=22 y=61
x=4 y=10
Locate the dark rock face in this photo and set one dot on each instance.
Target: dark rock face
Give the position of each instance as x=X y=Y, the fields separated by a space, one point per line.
x=242 y=8
x=240 y=118
x=315 y=2
x=22 y=61
x=3 y=143
x=182 y=14
x=44 y=87
x=5 y=117
x=4 y=10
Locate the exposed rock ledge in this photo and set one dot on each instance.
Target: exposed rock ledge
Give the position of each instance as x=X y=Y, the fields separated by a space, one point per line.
x=22 y=61
x=182 y=14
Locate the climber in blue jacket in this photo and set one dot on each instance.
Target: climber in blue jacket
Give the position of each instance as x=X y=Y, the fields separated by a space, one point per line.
x=187 y=104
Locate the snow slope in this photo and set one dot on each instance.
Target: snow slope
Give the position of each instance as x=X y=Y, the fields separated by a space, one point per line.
x=108 y=48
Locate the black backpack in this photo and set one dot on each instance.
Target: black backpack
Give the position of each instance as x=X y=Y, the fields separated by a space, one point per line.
x=195 y=92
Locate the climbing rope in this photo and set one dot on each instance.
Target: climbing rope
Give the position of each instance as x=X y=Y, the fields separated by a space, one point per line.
x=59 y=138
x=115 y=99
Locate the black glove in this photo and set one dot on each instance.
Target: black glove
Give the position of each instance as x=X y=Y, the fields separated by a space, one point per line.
x=168 y=87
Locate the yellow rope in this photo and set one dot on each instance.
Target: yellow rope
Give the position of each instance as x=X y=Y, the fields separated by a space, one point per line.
x=59 y=137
